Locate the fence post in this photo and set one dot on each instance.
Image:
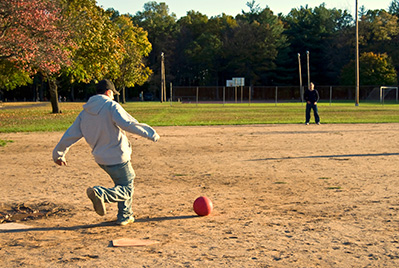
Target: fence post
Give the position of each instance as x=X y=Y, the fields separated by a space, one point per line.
x=242 y=93
x=330 y=94
x=224 y=95
x=235 y=93
x=171 y=93
x=276 y=96
x=249 y=95
x=196 y=97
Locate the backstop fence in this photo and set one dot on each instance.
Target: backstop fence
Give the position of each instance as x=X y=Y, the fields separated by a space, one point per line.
x=256 y=94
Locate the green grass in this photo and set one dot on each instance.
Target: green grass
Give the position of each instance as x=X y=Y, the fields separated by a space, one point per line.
x=32 y=118
x=4 y=142
x=334 y=188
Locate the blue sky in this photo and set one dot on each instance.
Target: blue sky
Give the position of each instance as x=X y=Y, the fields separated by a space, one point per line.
x=234 y=7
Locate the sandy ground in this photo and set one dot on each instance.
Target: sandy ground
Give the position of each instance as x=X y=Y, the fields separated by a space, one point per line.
x=283 y=195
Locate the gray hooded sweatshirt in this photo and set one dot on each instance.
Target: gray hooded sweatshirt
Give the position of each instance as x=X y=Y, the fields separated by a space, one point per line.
x=102 y=123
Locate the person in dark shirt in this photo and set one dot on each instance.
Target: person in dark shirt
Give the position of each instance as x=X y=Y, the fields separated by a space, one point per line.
x=311 y=97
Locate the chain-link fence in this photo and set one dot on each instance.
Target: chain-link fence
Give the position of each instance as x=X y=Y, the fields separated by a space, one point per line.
x=255 y=94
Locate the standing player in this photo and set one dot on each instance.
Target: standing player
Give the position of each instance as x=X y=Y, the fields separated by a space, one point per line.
x=102 y=123
x=311 y=97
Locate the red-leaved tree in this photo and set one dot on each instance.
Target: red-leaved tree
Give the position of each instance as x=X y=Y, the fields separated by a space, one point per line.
x=34 y=39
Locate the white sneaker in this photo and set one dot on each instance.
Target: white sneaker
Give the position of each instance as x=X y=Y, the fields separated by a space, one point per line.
x=125 y=222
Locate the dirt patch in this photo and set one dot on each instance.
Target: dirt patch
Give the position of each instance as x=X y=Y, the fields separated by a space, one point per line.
x=24 y=212
x=283 y=196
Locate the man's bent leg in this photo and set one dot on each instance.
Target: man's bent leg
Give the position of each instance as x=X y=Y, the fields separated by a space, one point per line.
x=123 y=176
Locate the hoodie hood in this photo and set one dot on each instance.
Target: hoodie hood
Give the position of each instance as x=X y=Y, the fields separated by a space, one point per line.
x=96 y=103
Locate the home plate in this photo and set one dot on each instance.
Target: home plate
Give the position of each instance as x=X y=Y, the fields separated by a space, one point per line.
x=129 y=242
x=13 y=226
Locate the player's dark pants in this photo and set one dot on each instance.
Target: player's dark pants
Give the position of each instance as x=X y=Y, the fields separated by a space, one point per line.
x=315 y=112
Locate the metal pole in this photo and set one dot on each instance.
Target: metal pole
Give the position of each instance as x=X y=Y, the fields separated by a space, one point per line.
x=357 y=57
x=383 y=96
x=330 y=95
x=300 y=77
x=307 y=58
x=276 y=96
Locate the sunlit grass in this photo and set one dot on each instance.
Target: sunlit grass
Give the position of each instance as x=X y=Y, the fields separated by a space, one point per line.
x=31 y=117
x=4 y=142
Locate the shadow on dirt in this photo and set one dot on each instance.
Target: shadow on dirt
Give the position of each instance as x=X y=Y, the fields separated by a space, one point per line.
x=91 y=226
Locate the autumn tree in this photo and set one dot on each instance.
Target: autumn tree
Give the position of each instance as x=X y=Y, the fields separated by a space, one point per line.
x=375 y=69
x=132 y=70
x=32 y=40
x=99 y=50
x=12 y=76
x=377 y=26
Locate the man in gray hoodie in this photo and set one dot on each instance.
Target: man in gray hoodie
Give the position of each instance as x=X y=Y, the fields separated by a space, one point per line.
x=103 y=123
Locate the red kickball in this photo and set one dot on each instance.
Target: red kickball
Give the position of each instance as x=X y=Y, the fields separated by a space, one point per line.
x=203 y=206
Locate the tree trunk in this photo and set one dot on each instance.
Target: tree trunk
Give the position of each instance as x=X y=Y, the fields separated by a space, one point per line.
x=41 y=90
x=52 y=82
x=72 y=92
x=123 y=95
x=36 y=92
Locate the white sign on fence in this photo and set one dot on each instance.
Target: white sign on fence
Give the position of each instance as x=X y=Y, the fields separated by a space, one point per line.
x=239 y=81
x=229 y=83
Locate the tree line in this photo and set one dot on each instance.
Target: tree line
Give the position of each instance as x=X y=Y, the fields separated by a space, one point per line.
x=67 y=43
x=70 y=44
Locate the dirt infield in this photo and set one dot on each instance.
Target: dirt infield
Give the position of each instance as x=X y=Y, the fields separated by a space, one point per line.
x=283 y=195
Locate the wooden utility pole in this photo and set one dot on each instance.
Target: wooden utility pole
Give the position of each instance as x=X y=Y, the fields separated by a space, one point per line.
x=357 y=57
x=307 y=57
x=163 y=82
x=300 y=77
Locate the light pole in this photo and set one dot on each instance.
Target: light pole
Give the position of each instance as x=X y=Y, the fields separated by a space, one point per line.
x=357 y=57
